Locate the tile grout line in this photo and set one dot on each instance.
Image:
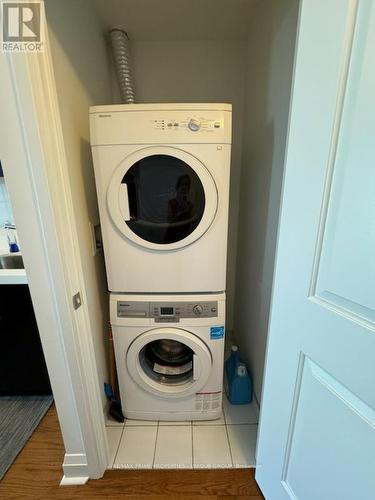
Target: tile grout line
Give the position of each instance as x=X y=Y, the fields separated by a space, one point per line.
x=118 y=446
x=156 y=440
x=192 y=451
x=192 y=445
x=230 y=447
x=243 y=423
x=226 y=431
x=171 y=424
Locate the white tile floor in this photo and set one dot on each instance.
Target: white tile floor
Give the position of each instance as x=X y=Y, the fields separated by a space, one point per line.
x=224 y=443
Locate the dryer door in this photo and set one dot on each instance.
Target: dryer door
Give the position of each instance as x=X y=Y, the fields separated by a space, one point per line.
x=162 y=198
x=169 y=362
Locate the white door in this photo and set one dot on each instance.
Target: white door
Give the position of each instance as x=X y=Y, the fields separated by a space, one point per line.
x=317 y=436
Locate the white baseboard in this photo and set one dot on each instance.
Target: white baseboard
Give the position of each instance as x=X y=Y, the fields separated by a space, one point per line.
x=73 y=481
x=76 y=469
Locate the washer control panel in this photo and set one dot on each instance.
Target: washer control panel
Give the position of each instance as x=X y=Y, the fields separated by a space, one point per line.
x=167 y=312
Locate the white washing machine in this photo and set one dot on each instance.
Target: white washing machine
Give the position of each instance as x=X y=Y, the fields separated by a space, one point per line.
x=162 y=178
x=169 y=355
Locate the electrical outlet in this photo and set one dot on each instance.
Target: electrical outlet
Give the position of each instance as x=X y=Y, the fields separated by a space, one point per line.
x=96 y=238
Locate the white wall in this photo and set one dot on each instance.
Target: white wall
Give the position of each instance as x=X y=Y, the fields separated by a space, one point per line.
x=82 y=78
x=198 y=71
x=268 y=83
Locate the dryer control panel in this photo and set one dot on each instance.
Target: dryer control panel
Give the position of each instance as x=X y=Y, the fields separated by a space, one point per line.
x=161 y=124
x=167 y=312
x=193 y=123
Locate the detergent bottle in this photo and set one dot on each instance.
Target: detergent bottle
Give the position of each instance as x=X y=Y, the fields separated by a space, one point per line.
x=240 y=387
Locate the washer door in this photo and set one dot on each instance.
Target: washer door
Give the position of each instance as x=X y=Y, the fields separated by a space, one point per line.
x=169 y=362
x=162 y=198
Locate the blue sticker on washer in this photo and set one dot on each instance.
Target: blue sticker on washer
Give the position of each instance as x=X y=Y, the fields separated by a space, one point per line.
x=217 y=332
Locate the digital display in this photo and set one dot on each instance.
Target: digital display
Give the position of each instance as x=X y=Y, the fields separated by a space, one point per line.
x=166 y=311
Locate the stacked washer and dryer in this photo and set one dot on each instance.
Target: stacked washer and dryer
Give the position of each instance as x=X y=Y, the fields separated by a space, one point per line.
x=162 y=178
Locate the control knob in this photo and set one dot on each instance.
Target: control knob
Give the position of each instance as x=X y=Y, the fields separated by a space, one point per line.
x=194 y=124
x=197 y=309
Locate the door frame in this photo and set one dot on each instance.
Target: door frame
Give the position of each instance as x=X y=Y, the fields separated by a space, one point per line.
x=42 y=204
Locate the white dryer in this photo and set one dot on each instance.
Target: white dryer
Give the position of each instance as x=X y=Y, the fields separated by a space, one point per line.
x=169 y=355
x=162 y=178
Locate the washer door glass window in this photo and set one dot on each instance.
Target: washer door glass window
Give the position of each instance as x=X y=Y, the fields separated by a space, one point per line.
x=166 y=199
x=170 y=362
x=167 y=361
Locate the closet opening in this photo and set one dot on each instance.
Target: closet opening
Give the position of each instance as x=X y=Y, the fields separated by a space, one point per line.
x=239 y=53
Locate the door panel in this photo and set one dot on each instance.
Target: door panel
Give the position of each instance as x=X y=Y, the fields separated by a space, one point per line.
x=348 y=233
x=317 y=424
x=319 y=463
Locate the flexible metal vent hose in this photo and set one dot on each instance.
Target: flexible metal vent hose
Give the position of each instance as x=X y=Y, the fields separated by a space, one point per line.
x=121 y=57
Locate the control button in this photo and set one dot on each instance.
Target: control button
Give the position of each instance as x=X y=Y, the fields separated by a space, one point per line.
x=197 y=310
x=175 y=124
x=169 y=124
x=194 y=125
x=213 y=309
x=217 y=124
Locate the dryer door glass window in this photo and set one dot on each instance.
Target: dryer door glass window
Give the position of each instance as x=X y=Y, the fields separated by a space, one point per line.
x=166 y=199
x=167 y=361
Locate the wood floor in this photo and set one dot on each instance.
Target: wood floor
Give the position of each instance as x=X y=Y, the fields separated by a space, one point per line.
x=36 y=474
